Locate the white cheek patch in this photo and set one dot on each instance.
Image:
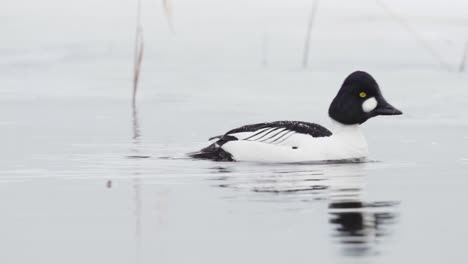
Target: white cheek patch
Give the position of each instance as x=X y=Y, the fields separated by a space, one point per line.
x=369 y=105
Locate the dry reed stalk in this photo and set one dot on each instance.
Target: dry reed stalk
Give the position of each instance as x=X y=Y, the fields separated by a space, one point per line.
x=138 y=55
x=167 y=5
x=313 y=14
x=135 y=123
x=435 y=55
x=461 y=68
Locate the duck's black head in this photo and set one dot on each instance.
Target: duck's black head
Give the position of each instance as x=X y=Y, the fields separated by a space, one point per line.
x=359 y=99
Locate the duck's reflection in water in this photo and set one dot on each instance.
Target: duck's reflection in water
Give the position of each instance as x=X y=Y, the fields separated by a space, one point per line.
x=275 y=184
x=357 y=225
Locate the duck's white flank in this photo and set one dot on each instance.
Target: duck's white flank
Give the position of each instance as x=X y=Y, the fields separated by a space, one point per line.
x=347 y=142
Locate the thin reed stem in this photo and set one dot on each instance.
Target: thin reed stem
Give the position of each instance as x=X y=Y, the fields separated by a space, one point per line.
x=135 y=123
x=138 y=55
x=167 y=6
x=461 y=68
x=305 y=55
x=435 y=55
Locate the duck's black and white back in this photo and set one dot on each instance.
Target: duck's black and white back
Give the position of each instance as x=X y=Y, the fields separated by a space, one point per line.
x=292 y=141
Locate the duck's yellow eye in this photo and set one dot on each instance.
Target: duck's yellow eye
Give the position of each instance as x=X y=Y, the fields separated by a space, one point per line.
x=362 y=94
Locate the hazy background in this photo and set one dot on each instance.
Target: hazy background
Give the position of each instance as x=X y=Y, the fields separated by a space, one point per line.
x=84 y=178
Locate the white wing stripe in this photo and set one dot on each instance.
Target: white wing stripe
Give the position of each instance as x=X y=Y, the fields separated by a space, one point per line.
x=272 y=137
x=255 y=133
x=286 y=137
x=262 y=134
x=288 y=132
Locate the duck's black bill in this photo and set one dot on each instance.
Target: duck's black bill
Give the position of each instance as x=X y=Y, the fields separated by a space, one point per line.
x=385 y=108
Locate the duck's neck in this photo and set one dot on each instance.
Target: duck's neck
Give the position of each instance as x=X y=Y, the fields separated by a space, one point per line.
x=349 y=141
x=340 y=128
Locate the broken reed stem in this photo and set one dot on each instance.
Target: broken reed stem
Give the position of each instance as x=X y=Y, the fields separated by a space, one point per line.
x=461 y=68
x=435 y=55
x=138 y=55
x=167 y=6
x=305 y=55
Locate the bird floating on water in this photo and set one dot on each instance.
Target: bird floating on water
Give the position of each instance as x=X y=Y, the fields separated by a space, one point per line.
x=358 y=100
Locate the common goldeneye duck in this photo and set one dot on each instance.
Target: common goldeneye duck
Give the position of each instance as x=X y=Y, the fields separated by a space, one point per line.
x=358 y=100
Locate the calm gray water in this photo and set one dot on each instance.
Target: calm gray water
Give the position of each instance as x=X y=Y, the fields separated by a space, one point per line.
x=84 y=178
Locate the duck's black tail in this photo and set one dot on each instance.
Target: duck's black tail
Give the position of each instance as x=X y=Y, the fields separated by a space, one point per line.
x=212 y=152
